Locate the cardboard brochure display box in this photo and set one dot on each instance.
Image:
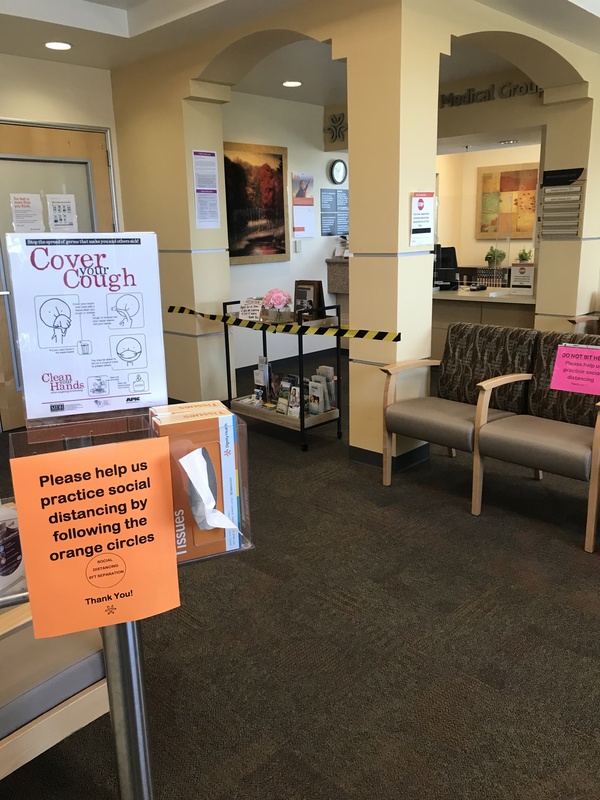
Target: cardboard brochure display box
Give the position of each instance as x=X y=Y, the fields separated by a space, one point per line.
x=209 y=469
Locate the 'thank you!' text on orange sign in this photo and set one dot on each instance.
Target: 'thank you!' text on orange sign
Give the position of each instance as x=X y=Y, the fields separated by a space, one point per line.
x=97 y=535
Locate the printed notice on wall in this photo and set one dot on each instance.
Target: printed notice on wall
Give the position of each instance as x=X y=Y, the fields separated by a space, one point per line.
x=27 y=213
x=206 y=188
x=97 y=535
x=422 y=219
x=335 y=212
x=89 y=325
x=577 y=369
x=62 y=213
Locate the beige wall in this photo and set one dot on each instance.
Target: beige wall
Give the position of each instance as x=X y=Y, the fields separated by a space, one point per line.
x=33 y=90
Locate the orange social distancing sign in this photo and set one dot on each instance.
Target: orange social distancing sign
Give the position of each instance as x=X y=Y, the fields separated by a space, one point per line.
x=97 y=535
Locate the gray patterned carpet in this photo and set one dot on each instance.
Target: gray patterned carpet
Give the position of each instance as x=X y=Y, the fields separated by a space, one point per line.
x=378 y=644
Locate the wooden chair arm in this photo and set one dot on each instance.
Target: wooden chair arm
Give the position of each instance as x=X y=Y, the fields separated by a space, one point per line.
x=485 y=394
x=392 y=371
x=403 y=366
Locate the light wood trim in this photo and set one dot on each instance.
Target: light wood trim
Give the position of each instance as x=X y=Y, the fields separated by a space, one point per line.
x=392 y=370
x=389 y=396
x=582 y=320
x=592 y=509
x=52 y=727
x=14 y=619
x=403 y=366
x=500 y=380
x=481 y=418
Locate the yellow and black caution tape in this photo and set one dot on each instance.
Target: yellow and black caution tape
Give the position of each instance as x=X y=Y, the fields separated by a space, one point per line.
x=341 y=331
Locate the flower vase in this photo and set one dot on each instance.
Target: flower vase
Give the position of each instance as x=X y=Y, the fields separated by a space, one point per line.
x=279 y=315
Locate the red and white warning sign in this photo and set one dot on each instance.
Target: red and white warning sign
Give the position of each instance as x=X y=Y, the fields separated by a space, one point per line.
x=422 y=218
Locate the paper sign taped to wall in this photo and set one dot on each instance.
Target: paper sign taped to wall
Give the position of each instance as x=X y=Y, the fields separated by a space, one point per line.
x=577 y=369
x=97 y=535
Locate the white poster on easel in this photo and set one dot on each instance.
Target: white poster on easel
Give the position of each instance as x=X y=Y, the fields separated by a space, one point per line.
x=89 y=322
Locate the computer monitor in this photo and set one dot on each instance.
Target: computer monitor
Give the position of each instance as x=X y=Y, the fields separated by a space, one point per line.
x=445 y=268
x=448 y=260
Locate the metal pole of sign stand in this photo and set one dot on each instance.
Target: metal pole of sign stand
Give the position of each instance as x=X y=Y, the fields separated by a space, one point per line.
x=124 y=677
x=125 y=683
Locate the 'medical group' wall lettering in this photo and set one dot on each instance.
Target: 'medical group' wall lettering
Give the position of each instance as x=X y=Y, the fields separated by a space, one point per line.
x=508 y=89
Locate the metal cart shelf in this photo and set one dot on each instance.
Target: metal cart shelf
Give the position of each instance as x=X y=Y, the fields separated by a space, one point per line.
x=304 y=421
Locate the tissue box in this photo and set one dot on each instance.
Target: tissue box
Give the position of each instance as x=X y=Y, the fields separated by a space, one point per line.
x=203 y=407
x=223 y=439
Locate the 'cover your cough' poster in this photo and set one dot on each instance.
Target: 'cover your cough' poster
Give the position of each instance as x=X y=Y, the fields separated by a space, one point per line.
x=88 y=322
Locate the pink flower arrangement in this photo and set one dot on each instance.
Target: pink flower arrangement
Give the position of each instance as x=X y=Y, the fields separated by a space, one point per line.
x=276 y=298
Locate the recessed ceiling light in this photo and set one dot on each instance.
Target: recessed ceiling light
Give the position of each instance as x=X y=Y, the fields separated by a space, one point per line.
x=58 y=45
x=292 y=84
x=509 y=141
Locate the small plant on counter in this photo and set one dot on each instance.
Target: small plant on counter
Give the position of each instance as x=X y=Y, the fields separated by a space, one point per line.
x=524 y=255
x=495 y=256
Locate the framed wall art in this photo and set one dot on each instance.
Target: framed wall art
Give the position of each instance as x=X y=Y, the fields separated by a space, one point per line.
x=256 y=194
x=506 y=201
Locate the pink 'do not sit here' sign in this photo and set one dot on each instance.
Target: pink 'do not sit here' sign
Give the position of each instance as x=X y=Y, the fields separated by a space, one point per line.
x=577 y=369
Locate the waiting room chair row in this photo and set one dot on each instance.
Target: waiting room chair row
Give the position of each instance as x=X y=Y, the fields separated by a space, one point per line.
x=495 y=401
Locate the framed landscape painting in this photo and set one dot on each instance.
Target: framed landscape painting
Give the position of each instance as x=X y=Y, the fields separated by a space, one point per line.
x=256 y=195
x=506 y=201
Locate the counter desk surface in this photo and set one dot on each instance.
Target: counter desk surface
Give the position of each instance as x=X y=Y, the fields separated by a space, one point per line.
x=489 y=307
x=487 y=296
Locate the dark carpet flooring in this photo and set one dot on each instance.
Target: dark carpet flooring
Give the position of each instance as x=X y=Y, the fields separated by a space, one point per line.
x=378 y=644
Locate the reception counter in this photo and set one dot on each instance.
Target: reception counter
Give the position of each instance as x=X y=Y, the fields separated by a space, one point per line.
x=489 y=307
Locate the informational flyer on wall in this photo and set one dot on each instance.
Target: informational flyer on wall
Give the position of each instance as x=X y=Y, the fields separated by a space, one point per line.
x=206 y=188
x=27 y=212
x=335 y=212
x=422 y=219
x=303 y=204
x=62 y=213
x=88 y=318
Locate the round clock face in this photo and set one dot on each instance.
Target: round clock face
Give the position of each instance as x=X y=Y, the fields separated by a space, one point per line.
x=338 y=171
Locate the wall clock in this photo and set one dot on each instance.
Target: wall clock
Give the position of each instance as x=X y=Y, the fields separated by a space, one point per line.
x=338 y=171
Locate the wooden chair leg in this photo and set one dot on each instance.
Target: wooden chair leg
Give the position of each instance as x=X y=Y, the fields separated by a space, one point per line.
x=592 y=509
x=451 y=452
x=538 y=474
x=387 y=457
x=477 y=484
x=592 y=513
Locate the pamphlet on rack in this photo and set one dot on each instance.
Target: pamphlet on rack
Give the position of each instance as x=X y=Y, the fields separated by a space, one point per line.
x=89 y=322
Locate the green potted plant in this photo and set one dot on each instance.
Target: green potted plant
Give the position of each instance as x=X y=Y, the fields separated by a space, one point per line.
x=495 y=256
x=524 y=256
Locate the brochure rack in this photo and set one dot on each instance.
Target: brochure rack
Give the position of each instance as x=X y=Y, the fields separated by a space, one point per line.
x=305 y=420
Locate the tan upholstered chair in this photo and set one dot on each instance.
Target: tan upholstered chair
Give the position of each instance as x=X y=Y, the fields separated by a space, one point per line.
x=560 y=433
x=49 y=688
x=473 y=353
